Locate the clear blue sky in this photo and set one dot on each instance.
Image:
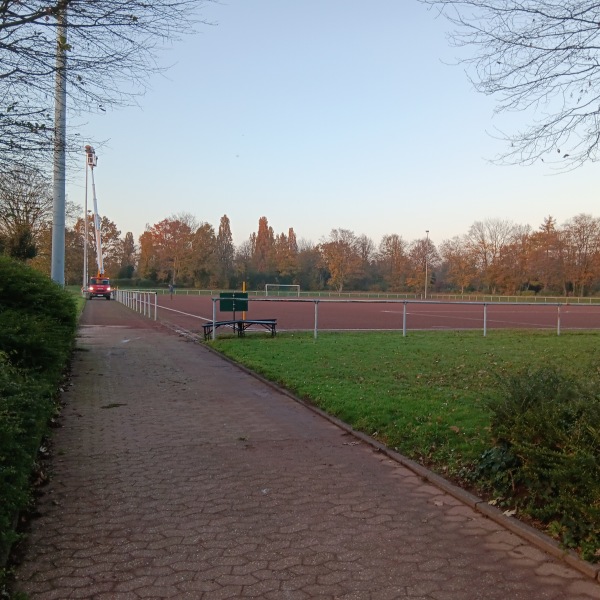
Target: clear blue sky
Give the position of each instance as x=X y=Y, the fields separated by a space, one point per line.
x=319 y=114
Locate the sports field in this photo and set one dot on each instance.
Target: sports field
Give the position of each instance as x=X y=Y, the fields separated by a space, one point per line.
x=192 y=312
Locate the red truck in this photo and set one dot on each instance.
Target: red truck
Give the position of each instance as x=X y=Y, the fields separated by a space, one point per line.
x=99 y=286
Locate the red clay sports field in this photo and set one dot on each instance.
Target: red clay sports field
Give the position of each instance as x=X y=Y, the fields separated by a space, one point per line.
x=192 y=311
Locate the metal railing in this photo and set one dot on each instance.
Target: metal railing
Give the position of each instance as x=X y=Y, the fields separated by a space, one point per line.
x=141 y=301
x=404 y=303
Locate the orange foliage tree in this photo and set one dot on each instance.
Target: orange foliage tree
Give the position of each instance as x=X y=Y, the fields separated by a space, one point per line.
x=459 y=261
x=340 y=255
x=392 y=261
x=166 y=250
x=224 y=254
x=285 y=254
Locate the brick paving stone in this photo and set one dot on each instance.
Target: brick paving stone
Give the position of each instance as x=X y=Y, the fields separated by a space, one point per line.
x=178 y=475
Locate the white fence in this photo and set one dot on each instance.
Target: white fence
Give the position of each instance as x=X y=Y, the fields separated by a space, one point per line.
x=141 y=301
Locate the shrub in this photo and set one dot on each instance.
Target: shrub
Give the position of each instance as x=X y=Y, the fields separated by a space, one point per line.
x=546 y=459
x=25 y=407
x=38 y=321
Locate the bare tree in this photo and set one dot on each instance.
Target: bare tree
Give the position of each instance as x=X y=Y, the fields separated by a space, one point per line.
x=581 y=237
x=486 y=242
x=112 y=47
x=25 y=202
x=26 y=209
x=541 y=56
x=423 y=259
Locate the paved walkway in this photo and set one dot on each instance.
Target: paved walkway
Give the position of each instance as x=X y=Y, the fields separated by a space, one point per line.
x=177 y=475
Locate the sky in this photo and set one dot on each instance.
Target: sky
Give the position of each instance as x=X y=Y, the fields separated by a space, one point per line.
x=319 y=115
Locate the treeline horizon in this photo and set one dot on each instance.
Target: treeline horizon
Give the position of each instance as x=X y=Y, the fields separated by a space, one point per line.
x=493 y=256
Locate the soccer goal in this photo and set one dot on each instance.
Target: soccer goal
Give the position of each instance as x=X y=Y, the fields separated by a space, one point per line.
x=282 y=289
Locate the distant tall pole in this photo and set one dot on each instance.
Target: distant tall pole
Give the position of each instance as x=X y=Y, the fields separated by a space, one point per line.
x=60 y=128
x=85 y=228
x=426 y=252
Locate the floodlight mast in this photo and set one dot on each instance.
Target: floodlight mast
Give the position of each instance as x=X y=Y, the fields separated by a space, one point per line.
x=92 y=161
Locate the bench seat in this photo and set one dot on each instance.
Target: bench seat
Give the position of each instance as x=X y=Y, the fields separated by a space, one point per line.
x=239 y=326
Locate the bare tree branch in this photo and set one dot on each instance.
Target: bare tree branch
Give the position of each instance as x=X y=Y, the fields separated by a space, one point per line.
x=112 y=50
x=541 y=56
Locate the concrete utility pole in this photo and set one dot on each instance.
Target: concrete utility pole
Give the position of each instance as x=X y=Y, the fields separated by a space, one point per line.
x=426 y=252
x=60 y=128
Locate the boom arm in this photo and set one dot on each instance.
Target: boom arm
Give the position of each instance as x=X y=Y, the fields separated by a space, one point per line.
x=92 y=161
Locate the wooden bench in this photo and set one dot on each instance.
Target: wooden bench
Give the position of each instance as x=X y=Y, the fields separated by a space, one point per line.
x=239 y=326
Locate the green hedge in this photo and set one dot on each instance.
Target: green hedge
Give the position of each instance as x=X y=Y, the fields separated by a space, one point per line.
x=546 y=461
x=38 y=322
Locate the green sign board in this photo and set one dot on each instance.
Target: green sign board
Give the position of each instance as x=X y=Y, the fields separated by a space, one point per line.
x=233 y=301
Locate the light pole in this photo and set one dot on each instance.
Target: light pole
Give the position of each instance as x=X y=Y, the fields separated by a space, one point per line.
x=426 y=252
x=57 y=267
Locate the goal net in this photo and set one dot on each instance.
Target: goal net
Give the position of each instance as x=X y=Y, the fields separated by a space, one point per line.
x=281 y=289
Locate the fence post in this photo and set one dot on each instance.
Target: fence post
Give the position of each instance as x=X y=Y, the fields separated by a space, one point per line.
x=558 y=321
x=484 y=319
x=155 y=305
x=214 y=331
x=316 y=318
x=404 y=320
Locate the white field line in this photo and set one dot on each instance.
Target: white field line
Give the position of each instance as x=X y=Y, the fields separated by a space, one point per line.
x=478 y=319
x=183 y=313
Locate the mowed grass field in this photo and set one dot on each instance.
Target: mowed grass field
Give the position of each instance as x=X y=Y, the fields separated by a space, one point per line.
x=426 y=394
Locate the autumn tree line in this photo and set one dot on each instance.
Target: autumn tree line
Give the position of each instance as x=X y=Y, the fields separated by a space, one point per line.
x=493 y=256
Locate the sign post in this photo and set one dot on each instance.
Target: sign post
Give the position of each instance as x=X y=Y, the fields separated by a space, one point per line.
x=232 y=301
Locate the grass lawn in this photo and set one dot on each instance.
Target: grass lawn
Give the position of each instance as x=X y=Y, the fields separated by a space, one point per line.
x=424 y=395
